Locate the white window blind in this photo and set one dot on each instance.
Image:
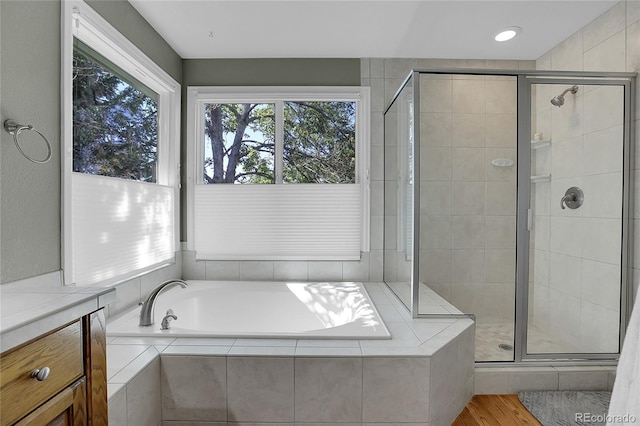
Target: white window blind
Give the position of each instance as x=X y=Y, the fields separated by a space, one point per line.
x=278 y=222
x=119 y=226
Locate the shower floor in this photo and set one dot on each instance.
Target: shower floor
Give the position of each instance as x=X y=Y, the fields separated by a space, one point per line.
x=490 y=335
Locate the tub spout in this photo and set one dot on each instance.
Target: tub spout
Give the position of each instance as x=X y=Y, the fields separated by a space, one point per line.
x=146 y=313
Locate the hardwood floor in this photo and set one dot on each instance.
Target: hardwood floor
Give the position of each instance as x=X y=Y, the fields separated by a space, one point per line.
x=495 y=410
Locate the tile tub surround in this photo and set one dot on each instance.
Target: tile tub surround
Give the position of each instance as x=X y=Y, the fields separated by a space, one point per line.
x=492 y=380
x=423 y=375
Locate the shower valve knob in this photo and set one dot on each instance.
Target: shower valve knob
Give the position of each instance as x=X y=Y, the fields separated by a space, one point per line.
x=573 y=198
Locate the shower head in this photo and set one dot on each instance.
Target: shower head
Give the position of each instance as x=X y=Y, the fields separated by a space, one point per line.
x=559 y=100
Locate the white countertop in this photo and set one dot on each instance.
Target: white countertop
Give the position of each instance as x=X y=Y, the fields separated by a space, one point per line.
x=27 y=312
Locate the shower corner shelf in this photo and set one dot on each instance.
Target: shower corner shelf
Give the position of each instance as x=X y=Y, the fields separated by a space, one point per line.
x=536 y=144
x=541 y=178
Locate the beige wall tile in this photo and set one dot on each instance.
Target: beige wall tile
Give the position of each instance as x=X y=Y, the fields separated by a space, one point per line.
x=501 y=130
x=194 y=388
x=325 y=270
x=567 y=158
x=601 y=284
x=469 y=96
x=599 y=328
x=402 y=398
x=603 y=108
x=328 y=390
x=469 y=130
x=633 y=11
x=435 y=197
x=469 y=164
x=468 y=198
x=467 y=266
x=435 y=266
x=608 y=55
x=601 y=240
x=603 y=151
x=568 y=55
x=436 y=163
x=222 y=269
x=436 y=95
x=605 y=193
x=500 y=198
x=467 y=232
x=260 y=389
x=144 y=405
x=566 y=235
x=118 y=408
x=435 y=232
x=501 y=97
x=292 y=270
x=633 y=46
x=500 y=265
x=436 y=129
x=500 y=232
x=604 y=26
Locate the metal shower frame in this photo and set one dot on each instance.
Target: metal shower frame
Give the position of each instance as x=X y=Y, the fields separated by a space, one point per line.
x=525 y=79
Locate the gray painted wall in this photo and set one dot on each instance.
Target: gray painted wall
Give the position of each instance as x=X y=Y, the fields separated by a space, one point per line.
x=261 y=72
x=133 y=26
x=30 y=193
x=30 y=92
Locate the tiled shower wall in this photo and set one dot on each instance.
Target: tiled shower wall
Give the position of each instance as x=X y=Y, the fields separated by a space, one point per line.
x=467 y=236
x=578 y=300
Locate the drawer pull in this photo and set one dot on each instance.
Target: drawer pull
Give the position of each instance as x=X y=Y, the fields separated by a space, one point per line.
x=41 y=374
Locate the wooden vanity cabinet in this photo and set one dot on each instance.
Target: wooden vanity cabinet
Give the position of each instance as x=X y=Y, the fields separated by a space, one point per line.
x=74 y=389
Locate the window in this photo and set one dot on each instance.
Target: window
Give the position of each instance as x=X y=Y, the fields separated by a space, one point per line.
x=318 y=142
x=298 y=158
x=115 y=119
x=121 y=144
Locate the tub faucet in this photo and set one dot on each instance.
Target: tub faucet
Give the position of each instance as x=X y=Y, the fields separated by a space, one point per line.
x=167 y=318
x=146 y=313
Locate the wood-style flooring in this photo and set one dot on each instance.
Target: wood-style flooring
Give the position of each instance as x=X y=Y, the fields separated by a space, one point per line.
x=495 y=410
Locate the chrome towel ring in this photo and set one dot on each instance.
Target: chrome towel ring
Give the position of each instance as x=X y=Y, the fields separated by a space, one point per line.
x=13 y=128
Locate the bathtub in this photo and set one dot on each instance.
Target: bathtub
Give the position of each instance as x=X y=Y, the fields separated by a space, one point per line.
x=331 y=310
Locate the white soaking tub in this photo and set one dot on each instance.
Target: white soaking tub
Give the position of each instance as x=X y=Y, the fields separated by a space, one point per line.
x=333 y=310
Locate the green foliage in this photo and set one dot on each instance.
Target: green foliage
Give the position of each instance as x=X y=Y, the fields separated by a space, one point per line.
x=319 y=143
x=115 y=125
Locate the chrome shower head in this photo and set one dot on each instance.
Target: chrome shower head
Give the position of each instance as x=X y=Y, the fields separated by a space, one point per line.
x=559 y=100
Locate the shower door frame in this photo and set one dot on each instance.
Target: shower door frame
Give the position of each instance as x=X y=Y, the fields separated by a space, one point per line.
x=524 y=81
x=525 y=85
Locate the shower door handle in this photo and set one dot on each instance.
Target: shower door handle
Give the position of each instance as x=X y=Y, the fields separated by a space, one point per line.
x=573 y=198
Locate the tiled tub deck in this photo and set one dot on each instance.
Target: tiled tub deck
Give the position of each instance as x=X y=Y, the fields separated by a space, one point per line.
x=423 y=376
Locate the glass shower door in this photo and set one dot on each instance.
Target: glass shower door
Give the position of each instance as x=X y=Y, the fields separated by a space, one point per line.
x=575 y=218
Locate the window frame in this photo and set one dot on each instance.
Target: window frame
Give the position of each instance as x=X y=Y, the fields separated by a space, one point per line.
x=80 y=21
x=198 y=96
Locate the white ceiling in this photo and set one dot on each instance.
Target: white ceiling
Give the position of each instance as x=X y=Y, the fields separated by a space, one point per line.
x=362 y=28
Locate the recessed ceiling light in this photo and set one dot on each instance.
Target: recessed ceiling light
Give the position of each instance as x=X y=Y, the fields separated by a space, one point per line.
x=508 y=33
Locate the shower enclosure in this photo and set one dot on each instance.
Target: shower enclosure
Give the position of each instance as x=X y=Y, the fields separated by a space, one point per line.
x=507 y=197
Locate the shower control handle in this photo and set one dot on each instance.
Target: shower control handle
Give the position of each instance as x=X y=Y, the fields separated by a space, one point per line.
x=573 y=198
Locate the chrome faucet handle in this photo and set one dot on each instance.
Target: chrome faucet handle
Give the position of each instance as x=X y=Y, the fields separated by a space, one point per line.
x=568 y=197
x=573 y=198
x=167 y=318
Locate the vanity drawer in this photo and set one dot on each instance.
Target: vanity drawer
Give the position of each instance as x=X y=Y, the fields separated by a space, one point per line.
x=61 y=351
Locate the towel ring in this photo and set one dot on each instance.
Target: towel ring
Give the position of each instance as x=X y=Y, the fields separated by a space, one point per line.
x=13 y=128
